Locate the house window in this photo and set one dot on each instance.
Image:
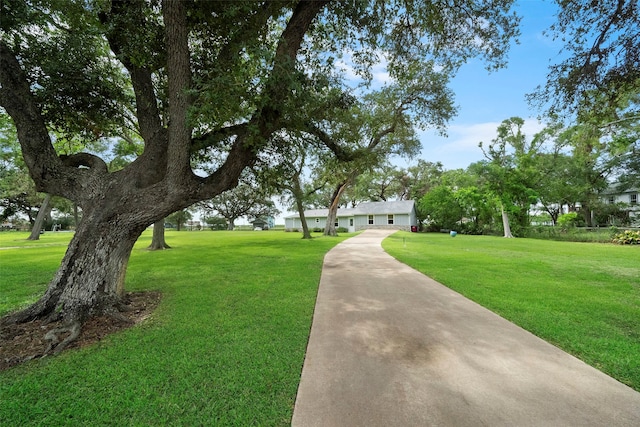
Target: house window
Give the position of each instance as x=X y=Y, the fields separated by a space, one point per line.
x=633 y=198
x=370 y=219
x=390 y=219
x=317 y=220
x=337 y=224
x=612 y=200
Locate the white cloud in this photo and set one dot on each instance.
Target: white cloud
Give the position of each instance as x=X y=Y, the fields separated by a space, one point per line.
x=378 y=71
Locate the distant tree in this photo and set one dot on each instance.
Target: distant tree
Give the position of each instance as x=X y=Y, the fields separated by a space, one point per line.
x=17 y=190
x=441 y=209
x=383 y=125
x=179 y=218
x=381 y=183
x=421 y=178
x=283 y=172
x=43 y=213
x=461 y=200
x=216 y=222
x=248 y=199
x=589 y=170
x=508 y=171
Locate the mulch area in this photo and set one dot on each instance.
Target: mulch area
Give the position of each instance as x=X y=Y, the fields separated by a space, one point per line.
x=23 y=342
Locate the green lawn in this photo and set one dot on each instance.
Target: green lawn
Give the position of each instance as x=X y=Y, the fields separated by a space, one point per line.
x=225 y=347
x=227 y=343
x=581 y=297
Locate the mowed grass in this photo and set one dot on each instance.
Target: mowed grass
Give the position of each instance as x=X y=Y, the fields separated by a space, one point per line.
x=225 y=347
x=24 y=273
x=581 y=297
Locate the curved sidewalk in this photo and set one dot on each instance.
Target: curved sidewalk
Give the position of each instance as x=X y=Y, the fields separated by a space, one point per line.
x=392 y=347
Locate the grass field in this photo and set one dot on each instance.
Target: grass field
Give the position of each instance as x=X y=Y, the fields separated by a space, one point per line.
x=227 y=343
x=225 y=347
x=581 y=297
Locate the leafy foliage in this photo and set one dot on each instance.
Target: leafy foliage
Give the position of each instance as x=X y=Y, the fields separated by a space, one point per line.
x=602 y=42
x=568 y=221
x=249 y=199
x=627 y=237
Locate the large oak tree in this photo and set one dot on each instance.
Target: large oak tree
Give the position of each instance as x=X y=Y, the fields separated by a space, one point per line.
x=216 y=76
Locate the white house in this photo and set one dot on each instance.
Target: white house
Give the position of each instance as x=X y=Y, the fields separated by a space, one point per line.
x=629 y=197
x=396 y=215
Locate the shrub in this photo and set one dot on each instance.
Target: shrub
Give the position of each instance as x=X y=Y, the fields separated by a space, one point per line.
x=627 y=238
x=318 y=230
x=341 y=230
x=568 y=220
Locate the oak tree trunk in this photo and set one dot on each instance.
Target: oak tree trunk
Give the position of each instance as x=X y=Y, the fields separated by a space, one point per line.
x=330 y=228
x=118 y=206
x=90 y=280
x=298 y=196
x=158 y=241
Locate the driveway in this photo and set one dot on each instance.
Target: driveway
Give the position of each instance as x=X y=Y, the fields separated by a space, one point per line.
x=391 y=347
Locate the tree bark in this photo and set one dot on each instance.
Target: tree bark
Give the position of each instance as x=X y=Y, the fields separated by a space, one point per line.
x=90 y=280
x=297 y=195
x=158 y=241
x=505 y=222
x=44 y=211
x=330 y=228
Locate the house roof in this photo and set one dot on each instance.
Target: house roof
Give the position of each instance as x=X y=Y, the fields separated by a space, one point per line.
x=614 y=189
x=365 y=208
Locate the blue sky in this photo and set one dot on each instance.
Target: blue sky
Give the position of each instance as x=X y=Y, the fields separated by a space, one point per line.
x=485 y=99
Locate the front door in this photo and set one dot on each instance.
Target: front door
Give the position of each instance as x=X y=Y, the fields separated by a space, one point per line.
x=351 y=226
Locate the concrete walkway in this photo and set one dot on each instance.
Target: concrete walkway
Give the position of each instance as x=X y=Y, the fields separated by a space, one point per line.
x=391 y=347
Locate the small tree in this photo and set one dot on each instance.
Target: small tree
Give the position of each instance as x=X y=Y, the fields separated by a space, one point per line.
x=441 y=209
x=509 y=173
x=568 y=221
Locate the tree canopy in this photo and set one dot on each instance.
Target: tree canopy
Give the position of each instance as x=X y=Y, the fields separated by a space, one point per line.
x=601 y=40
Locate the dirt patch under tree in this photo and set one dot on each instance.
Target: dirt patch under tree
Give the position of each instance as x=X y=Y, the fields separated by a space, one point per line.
x=25 y=341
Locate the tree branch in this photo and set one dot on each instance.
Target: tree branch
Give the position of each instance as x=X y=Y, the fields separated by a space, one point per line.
x=179 y=78
x=40 y=157
x=213 y=138
x=148 y=114
x=340 y=153
x=595 y=48
x=265 y=121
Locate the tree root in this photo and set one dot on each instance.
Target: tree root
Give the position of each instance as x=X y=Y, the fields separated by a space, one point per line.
x=116 y=315
x=74 y=326
x=51 y=318
x=21 y=342
x=53 y=336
